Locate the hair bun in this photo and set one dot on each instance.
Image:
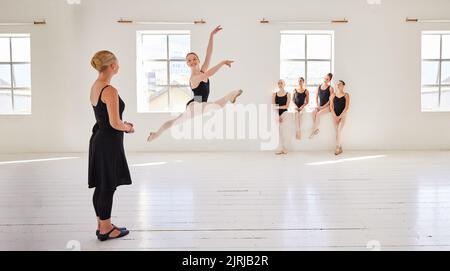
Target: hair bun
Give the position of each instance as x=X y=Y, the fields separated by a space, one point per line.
x=96 y=63
x=102 y=59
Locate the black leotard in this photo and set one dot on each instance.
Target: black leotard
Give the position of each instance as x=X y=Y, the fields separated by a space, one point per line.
x=300 y=98
x=201 y=93
x=281 y=101
x=339 y=104
x=324 y=95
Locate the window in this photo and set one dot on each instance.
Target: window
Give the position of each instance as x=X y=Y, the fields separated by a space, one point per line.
x=15 y=74
x=163 y=76
x=308 y=55
x=435 y=71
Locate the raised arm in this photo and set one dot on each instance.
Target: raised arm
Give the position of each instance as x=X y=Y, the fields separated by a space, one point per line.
x=111 y=98
x=210 y=48
x=196 y=79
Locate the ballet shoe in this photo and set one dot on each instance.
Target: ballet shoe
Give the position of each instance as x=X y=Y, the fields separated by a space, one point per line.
x=339 y=151
x=298 y=136
x=151 y=137
x=316 y=132
x=233 y=100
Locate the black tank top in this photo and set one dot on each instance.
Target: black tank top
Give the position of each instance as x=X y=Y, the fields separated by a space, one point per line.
x=201 y=93
x=324 y=95
x=101 y=114
x=300 y=98
x=339 y=105
x=281 y=101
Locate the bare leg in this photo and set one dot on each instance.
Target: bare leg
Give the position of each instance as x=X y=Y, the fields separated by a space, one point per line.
x=195 y=109
x=318 y=115
x=336 y=129
x=283 y=147
x=298 y=125
x=169 y=124
x=339 y=129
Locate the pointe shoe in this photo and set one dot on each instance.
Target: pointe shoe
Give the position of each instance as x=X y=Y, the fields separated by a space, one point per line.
x=298 y=136
x=316 y=132
x=151 y=137
x=239 y=93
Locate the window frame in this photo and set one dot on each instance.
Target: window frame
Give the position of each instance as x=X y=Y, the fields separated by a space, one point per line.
x=440 y=62
x=141 y=62
x=306 y=60
x=11 y=65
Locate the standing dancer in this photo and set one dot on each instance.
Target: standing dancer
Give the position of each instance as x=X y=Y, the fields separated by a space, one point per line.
x=108 y=166
x=324 y=92
x=281 y=100
x=301 y=100
x=339 y=108
x=200 y=86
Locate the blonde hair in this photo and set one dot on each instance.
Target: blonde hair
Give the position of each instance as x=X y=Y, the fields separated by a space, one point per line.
x=102 y=59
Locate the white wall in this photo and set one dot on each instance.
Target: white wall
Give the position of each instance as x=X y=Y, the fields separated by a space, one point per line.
x=377 y=54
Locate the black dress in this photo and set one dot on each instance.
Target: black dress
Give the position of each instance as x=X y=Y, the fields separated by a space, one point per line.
x=108 y=167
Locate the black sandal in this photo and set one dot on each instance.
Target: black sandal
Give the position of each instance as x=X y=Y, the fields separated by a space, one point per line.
x=105 y=237
x=97 y=232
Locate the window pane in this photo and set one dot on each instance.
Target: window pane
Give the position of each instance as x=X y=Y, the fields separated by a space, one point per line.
x=159 y=101
x=446 y=47
x=430 y=98
x=445 y=98
x=291 y=71
x=430 y=73
x=292 y=46
x=22 y=101
x=21 y=49
x=179 y=46
x=154 y=46
x=319 y=46
x=5 y=102
x=445 y=73
x=156 y=80
x=4 y=50
x=431 y=46
x=22 y=75
x=317 y=71
x=156 y=73
x=179 y=96
x=5 y=76
x=179 y=73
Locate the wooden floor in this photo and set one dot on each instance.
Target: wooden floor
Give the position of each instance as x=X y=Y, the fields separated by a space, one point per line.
x=234 y=201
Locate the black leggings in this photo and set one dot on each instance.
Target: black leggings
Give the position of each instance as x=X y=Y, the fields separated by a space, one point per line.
x=103 y=201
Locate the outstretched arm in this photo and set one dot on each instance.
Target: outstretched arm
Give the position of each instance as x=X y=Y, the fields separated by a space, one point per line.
x=195 y=80
x=209 y=51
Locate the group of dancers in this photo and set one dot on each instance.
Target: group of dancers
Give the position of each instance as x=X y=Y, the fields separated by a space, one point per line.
x=108 y=167
x=328 y=101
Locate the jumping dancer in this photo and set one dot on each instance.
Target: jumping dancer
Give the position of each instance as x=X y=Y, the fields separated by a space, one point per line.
x=200 y=86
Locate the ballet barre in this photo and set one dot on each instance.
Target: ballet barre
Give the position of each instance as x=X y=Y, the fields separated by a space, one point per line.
x=336 y=21
x=43 y=22
x=122 y=21
x=411 y=20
